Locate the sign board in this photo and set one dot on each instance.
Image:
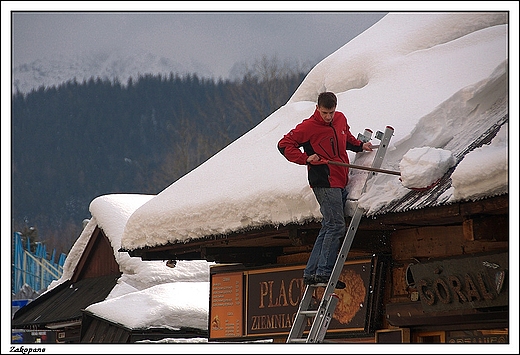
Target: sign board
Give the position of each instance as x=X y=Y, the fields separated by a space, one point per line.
x=226 y=310
x=264 y=302
x=463 y=282
x=28 y=336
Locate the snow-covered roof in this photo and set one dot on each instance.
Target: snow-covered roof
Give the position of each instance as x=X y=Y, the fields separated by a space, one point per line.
x=148 y=294
x=431 y=76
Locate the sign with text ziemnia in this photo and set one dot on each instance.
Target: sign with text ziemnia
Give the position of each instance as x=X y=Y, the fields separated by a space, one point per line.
x=273 y=297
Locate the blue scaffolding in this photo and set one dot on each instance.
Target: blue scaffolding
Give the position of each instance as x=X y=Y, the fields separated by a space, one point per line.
x=34 y=269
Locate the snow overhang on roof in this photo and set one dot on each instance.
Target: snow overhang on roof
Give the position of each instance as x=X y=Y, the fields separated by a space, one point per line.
x=441 y=86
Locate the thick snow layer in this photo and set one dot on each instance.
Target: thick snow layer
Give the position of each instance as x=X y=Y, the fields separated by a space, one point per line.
x=436 y=78
x=156 y=294
x=172 y=305
x=422 y=167
x=484 y=171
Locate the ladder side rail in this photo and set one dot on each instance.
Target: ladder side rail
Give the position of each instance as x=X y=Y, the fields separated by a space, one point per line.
x=300 y=321
x=325 y=304
x=329 y=300
x=383 y=146
x=356 y=219
x=380 y=154
x=326 y=319
x=336 y=271
x=318 y=320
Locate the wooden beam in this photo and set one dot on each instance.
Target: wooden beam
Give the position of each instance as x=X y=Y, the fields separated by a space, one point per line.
x=244 y=255
x=492 y=228
x=438 y=215
x=427 y=242
x=412 y=314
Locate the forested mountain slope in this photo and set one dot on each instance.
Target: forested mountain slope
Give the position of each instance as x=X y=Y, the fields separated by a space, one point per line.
x=77 y=141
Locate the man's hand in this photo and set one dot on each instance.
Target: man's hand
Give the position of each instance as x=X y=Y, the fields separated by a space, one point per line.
x=367 y=146
x=315 y=159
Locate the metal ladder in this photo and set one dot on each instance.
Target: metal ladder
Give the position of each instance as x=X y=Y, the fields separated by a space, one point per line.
x=323 y=315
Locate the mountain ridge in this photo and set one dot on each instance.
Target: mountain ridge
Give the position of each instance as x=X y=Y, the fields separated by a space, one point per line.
x=49 y=72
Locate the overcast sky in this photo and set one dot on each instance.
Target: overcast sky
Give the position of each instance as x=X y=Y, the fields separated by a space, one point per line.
x=209 y=35
x=216 y=40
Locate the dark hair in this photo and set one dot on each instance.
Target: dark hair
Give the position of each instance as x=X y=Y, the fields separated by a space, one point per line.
x=327 y=100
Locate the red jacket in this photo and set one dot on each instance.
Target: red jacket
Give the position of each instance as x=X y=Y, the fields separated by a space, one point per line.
x=329 y=140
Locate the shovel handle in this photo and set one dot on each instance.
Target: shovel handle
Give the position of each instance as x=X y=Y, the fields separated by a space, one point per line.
x=363 y=167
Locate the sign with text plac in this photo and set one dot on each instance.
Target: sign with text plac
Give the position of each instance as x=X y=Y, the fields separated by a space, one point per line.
x=274 y=295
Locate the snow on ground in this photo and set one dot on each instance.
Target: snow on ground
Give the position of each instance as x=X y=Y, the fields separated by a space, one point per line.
x=169 y=305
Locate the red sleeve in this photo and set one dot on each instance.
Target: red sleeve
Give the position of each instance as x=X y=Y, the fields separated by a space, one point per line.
x=353 y=143
x=353 y=140
x=290 y=145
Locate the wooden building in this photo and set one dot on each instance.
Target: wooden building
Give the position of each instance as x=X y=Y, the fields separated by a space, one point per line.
x=422 y=268
x=56 y=316
x=419 y=271
x=403 y=254
x=60 y=314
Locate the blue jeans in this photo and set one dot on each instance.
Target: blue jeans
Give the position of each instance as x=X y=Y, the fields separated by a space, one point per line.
x=333 y=228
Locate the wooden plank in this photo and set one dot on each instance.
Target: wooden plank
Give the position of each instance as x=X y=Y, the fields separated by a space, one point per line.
x=427 y=242
x=494 y=205
x=480 y=246
x=399 y=287
x=299 y=258
x=486 y=228
x=245 y=255
x=467 y=230
x=301 y=249
x=438 y=215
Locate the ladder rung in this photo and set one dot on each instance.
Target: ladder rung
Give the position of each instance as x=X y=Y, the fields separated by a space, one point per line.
x=298 y=340
x=329 y=299
x=322 y=284
x=308 y=313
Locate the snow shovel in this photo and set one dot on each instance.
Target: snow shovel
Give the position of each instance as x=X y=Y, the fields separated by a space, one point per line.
x=360 y=167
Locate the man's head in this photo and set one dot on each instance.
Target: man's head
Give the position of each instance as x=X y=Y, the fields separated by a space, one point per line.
x=326 y=106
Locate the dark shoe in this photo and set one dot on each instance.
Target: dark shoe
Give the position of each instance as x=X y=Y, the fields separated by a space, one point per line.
x=325 y=280
x=309 y=280
x=340 y=285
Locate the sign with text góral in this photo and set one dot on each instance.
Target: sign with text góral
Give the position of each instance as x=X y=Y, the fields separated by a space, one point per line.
x=465 y=282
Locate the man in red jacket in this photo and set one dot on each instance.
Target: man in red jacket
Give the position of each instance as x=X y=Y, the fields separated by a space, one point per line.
x=324 y=136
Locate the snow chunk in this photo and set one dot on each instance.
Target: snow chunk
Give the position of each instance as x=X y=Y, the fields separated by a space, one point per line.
x=422 y=167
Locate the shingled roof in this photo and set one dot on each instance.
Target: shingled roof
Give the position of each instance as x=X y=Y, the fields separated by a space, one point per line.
x=64 y=304
x=94 y=277
x=460 y=145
